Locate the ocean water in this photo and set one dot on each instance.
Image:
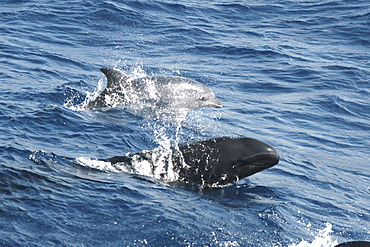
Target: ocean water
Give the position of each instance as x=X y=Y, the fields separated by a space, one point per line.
x=294 y=74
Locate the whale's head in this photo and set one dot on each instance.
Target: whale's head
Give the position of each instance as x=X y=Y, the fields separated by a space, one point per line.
x=221 y=161
x=251 y=156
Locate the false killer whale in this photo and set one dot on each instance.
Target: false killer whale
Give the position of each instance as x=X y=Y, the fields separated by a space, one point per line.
x=354 y=244
x=210 y=163
x=153 y=97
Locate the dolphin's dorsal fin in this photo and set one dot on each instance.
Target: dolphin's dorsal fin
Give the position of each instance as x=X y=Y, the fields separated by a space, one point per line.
x=114 y=76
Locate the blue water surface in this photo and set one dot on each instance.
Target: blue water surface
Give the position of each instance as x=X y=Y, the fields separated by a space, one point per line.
x=294 y=74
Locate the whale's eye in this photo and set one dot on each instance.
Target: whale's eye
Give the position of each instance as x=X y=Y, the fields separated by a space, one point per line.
x=203 y=99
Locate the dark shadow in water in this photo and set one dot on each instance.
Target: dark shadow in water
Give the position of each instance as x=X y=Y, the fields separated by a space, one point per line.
x=241 y=194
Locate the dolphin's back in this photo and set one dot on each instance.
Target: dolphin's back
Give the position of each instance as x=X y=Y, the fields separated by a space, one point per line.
x=115 y=77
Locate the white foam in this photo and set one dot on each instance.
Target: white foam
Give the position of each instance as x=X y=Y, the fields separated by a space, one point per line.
x=322 y=240
x=96 y=164
x=138 y=71
x=89 y=97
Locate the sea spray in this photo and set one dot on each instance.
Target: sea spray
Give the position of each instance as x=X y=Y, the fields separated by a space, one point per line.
x=323 y=239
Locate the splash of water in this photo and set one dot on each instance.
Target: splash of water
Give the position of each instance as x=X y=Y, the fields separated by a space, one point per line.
x=156 y=163
x=70 y=101
x=323 y=239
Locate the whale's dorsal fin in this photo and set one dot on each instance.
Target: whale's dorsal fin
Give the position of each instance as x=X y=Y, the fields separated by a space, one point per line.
x=115 y=77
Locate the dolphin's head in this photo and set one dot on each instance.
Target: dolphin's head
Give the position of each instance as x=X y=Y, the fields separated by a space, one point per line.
x=195 y=95
x=205 y=97
x=221 y=161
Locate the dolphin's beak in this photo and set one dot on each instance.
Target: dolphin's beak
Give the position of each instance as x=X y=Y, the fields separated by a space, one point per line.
x=215 y=103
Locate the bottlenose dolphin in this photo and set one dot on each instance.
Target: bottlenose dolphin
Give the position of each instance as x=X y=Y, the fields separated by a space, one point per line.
x=211 y=163
x=153 y=97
